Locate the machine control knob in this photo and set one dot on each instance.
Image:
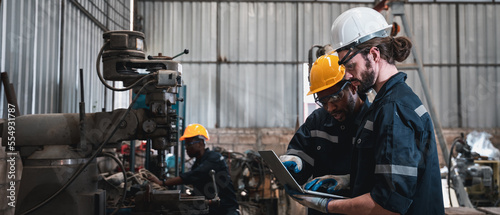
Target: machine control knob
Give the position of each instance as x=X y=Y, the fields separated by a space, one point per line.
x=149 y=126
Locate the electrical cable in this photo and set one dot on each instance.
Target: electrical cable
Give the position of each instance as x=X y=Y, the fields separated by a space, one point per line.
x=98 y=69
x=124 y=194
x=98 y=151
x=310 y=60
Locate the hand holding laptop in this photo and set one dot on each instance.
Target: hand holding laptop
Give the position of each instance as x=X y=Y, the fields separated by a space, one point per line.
x=330 y=183
x=292 y=162
x=285 y=178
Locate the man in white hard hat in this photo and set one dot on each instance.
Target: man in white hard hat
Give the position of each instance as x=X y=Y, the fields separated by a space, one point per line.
x=322 y=147
x=396 y=167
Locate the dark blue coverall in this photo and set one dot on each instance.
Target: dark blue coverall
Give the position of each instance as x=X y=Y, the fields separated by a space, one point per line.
x=203 y=186
x=325 y=146
x=395 y=157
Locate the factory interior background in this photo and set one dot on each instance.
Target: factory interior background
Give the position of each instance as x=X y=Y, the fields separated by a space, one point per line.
x=244 y=77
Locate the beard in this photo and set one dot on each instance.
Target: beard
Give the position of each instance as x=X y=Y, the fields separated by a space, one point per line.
x=368 y=81
x=368 y=77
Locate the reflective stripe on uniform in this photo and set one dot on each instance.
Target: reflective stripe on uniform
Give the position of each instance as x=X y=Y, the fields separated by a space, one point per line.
x=324 y=135
x=421 y=110
x=369 y=125
x=396 y=169
x=302 y=155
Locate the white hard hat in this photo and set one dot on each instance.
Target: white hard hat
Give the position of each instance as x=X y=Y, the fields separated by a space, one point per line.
x=358 y=25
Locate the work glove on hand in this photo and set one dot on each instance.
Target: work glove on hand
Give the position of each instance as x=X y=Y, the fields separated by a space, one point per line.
x=316 y=203
x=331 y=183
x=292 y=162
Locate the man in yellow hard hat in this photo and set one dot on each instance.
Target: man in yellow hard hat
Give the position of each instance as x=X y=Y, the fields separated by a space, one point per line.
x=322 y=146
x=195 y=137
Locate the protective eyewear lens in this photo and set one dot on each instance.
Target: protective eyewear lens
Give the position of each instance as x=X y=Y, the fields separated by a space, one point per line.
x=332 y=98
x=191 y=143
x=348 y=58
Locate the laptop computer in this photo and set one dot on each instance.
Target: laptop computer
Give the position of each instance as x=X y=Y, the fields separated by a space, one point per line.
x=283 y=176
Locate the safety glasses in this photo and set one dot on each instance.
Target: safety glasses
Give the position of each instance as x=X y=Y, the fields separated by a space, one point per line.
x=191 y=143
x=343 y=62
x=335 y=97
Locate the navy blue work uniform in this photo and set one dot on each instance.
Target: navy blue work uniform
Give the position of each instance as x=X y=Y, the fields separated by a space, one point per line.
x=395 y=156
x=324 y=146
x=203 y=185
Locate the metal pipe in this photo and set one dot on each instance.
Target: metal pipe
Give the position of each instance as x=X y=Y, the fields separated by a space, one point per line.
x=61 y=59
x=132 y=156
x=183 y=126
x=10 y=94
x=83 y=142
x=459 y=88
x=218 y=69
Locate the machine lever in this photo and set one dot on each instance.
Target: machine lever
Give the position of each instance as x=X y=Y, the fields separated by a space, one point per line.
x=216 y=199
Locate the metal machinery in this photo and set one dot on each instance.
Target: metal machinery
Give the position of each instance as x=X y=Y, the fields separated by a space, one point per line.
x=257 y=191
x=58 y=151
x=474 y=178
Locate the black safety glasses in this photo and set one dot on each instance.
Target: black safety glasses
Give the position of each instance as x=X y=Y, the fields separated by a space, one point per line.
x=347 y=58
x=191 y=143
x=335 y=97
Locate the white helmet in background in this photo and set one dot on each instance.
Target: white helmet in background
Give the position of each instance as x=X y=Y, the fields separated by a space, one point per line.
x=356 y=26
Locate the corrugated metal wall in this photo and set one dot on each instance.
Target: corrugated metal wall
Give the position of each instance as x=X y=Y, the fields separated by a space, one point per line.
x=461 y=59
x=244 y=66
x=45 y=43
x=245 y=61
x=256 y=86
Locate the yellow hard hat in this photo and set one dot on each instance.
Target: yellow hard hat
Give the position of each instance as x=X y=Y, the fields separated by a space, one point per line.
x=325 y=72
x=193 y=130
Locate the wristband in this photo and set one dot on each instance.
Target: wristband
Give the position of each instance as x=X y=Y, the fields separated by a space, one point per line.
x=328 y=201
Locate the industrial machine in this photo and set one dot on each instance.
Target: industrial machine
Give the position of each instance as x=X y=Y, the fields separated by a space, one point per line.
x=257 y=191
x=59 y=151
x=474 y=178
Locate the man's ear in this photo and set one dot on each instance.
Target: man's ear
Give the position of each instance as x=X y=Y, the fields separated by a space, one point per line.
x=375 y=54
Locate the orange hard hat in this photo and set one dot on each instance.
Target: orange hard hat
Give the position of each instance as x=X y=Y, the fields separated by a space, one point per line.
x=194 y=130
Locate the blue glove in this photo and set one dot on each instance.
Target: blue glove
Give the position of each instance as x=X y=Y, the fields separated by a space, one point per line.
x=331 y=183
x=292 y=163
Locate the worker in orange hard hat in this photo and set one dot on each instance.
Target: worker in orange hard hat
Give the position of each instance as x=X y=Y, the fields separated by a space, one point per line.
x=322 y=146
x=195 y=133
x=195 y=137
